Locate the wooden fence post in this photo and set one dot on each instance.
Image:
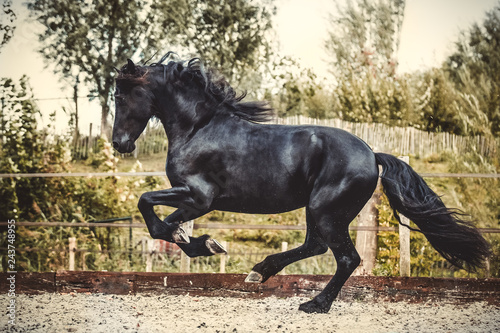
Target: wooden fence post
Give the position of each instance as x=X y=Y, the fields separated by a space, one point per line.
x=150 y=254
x=72 y=250
x=284 y=247
x=404 y=239
x=185 y=260
x=223 y=258
x=89 y=142
x=487 y=268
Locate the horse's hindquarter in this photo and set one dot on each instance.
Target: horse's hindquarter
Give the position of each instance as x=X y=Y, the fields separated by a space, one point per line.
x=271 y=168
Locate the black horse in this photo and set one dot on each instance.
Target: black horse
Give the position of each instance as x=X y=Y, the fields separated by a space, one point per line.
x=221 y=157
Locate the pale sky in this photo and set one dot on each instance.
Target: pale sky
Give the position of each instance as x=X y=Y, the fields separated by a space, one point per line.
x=429 y=29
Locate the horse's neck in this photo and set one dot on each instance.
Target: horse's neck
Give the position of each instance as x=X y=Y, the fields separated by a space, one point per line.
x=197 y=122
x=185 y=118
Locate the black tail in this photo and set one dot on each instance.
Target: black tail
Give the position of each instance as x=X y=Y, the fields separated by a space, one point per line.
x=456 y=240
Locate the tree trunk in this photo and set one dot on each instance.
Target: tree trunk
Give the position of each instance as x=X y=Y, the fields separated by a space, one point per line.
x=105 y=126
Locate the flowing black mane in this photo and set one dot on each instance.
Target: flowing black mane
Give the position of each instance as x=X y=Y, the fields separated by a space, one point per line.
x=218 y=92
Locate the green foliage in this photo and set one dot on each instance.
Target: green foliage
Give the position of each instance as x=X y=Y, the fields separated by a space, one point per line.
x=7 y=20
x=363 y=42
x=429 y=101
x=260 y=237
x=298 y=91
x=375 y=99
x=387 y=262
x=445 y=108
x=87 y=38
x=23 y=151
x=475 y=66
x=423 y=256
x=480 y=198
x=364 y=38
x=26 y=149
x=231 y=36
x=104 y=156
x=460 y=98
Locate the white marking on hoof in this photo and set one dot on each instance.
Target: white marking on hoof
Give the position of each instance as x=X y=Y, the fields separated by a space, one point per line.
x=214 y=246
x=180 y=236
x=254 y=277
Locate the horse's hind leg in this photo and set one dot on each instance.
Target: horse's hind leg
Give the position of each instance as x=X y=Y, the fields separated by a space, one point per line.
x=274 y=263
x=347 y=260
x=333 y=209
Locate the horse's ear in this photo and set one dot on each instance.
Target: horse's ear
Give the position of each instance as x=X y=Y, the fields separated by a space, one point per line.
x=130 y=66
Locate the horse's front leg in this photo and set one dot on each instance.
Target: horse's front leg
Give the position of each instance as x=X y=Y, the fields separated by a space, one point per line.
x=189 y=207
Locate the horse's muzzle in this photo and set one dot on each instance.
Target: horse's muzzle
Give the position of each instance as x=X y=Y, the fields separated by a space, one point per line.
x=124 y=147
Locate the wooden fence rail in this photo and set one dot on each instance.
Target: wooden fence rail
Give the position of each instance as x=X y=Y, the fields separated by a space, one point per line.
x=162 y=174
x=151 y=248
x=223 y=226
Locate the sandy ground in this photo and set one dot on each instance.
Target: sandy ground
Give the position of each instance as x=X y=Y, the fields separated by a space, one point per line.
x=111 y=313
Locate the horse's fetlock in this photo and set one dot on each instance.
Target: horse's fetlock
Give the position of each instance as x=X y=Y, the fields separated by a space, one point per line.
x=143 y=202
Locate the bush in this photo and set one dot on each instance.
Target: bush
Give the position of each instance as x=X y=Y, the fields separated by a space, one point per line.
x=27 y=149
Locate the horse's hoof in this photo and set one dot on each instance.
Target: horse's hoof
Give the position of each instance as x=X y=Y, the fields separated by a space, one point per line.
x=180 y=236
x=215 y=247
x=254 y=277
x=313 y=307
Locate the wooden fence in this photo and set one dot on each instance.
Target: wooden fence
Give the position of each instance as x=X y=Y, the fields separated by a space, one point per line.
x=403 y=140
x=152 y=141
x=155 y=252
x=381 y=137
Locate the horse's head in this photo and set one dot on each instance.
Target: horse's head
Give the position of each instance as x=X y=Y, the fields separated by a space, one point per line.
x=181 y=94
x=133 y=106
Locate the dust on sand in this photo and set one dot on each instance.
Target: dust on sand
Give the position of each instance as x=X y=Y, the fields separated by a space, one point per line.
x=145 y=313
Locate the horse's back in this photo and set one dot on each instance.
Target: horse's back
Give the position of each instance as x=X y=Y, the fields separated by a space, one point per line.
x=337 y=152
x=280 y=165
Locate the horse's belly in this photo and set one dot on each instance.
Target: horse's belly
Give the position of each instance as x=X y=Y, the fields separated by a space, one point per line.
x=266 y=204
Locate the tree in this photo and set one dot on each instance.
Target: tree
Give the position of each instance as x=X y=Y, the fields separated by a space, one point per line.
x=26 y=148
x=294 y=90
x=229 y=35
x=363 y=42
x=88 y=38
x=364 y=37
x=475 y=66
x=443 y=107
x=7 y=23
x=16 y=154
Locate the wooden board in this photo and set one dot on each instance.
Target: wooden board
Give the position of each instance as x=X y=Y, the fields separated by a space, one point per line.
x=366 y=288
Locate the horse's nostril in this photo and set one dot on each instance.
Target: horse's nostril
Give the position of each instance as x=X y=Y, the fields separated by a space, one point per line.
x=116 y=145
